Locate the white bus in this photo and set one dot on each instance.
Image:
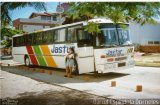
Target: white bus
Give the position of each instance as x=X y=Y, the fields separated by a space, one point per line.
x=107 y=51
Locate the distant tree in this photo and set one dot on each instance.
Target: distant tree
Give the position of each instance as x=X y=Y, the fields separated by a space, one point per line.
x=8 y=32
x=140 y=12
x=7 y=7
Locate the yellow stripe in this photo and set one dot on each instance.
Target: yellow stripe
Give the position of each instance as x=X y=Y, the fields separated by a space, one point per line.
x=47 y=55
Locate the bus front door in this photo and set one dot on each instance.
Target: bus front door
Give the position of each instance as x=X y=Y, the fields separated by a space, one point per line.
x=85 y=52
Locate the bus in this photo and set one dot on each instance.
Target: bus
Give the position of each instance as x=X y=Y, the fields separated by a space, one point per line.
x=107 y=51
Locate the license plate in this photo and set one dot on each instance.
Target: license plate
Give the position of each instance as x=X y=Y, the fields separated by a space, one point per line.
x=121 y=64
x=120 y=58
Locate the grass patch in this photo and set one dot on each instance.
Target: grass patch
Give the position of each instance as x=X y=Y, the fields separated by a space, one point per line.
x=149 y=64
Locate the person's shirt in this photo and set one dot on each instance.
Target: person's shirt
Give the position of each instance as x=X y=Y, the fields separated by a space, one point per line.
x=70 y=56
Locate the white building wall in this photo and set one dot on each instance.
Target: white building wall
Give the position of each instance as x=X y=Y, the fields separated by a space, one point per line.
x=32 y=28
x=143 y=34
x=39 y=20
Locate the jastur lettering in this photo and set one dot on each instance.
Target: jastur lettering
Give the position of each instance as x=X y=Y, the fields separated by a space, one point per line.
x=61 y=49
x=114 y=52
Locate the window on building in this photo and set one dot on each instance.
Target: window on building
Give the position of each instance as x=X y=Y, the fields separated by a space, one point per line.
x=20 y=27
x=54 y=18
x=45 y=17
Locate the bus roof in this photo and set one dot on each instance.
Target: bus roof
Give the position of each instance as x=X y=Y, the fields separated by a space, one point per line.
x=96 y=20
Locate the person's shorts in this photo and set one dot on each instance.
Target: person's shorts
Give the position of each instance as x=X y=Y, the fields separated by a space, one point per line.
x=70 y=63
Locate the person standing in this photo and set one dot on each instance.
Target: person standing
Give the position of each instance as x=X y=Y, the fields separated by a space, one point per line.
x=70 y=58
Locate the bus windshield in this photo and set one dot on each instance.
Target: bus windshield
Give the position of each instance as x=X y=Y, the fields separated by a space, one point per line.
x=111 y=36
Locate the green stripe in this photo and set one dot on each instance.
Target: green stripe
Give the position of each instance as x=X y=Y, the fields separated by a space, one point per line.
x=39 y=56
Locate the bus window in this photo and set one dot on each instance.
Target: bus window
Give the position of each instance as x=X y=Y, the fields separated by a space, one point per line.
x=34 y=38
x=124 y=36
x=84 y=38
x=107 y=37
x=28 y=39
x=56 y=36
x=18 y=41
x=60 y=35
x=48 y=37
x=39 y=38
x=71 y=34
x=44 y=38
x=21 y=41
x=15 y=41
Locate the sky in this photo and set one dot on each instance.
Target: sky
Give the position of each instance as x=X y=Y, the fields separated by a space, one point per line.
x=26 y=12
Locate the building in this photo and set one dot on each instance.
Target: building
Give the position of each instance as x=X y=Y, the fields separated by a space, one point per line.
x=38 y=21
x=146 y=36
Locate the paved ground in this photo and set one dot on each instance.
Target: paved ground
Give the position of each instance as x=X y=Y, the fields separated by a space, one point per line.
x=20 y=90
x=148 y=77
x=100 y=84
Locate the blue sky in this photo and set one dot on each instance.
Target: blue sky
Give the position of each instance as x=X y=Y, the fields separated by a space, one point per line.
x=26 y=12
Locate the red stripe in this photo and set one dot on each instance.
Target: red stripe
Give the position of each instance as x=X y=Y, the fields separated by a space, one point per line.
x=32 y=57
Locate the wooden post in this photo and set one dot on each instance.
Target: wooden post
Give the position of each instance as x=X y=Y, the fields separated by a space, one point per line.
x=113 y=83
x=43 y=71
x=33 y=69
x=50 y=73
x=138 y=88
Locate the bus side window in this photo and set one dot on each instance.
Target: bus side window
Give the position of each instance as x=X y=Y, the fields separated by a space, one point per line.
x=39 y=38
x=60 y=35
x=50 y=36
x=47 y=37
x=56 y=36
x=44 y=38
x=71 y=36
x=29 y=39
x=15 y=42
x=20 y=40
x=34 y=38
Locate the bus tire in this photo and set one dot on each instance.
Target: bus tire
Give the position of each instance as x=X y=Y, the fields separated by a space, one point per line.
x=27 y=61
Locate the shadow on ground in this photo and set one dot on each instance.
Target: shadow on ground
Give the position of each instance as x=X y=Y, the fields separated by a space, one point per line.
x=57 y=76
x=67 y=97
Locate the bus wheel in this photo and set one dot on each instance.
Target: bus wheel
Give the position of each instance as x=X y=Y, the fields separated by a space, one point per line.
x=27 y=61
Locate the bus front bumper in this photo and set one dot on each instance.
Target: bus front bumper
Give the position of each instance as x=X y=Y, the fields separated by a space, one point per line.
x=116 y=66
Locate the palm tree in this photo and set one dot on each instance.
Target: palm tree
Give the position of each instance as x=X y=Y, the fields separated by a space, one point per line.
x=6 y=7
